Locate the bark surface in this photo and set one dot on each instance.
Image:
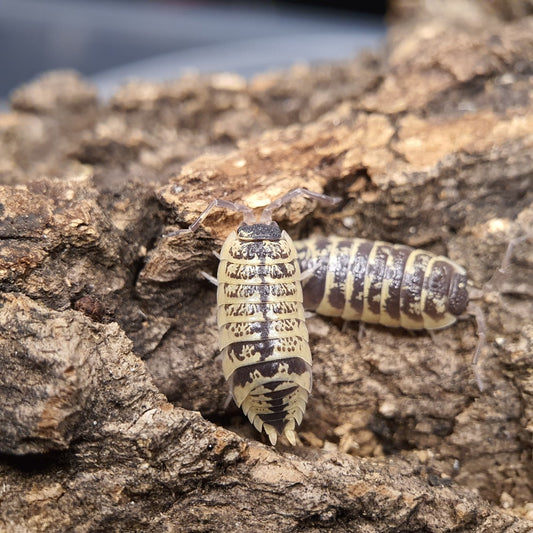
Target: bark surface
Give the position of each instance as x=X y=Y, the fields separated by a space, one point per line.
x=113 y=403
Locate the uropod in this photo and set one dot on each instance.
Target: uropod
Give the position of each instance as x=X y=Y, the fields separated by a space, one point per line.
x=263 y=338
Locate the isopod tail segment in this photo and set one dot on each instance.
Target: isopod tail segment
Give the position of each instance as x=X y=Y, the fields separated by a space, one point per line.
x=262 y=333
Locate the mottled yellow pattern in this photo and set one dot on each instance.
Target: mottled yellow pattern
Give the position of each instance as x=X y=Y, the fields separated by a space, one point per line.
x=262 y=332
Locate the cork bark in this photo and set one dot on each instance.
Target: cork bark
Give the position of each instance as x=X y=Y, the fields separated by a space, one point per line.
x=113 y=403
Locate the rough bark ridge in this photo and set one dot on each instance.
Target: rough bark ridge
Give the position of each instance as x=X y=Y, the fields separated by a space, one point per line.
x=103 y=322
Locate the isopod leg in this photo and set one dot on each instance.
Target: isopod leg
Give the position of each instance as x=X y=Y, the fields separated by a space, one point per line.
x=498 y=277
x=478 y=314
x=210 y=278
x=361 y=331
x=494 y=283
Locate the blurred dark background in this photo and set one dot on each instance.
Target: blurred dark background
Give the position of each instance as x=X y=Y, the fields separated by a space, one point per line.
x=110 y=41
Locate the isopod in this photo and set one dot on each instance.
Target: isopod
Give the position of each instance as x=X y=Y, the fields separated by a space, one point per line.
x=263 y=337
x=378 y=282
x=392 y=284
x=389 y=284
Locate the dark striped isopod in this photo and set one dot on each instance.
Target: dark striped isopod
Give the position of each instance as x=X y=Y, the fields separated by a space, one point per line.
x=389 y=284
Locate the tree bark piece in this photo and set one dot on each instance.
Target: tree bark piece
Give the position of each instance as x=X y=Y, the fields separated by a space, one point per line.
x=130 y=460
x=103 y=321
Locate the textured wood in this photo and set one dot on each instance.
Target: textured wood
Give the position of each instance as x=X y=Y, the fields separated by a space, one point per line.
x=108 y=342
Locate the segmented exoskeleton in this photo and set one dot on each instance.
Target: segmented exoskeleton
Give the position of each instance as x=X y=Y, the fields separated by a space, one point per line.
x=262 y=333
x=379 y=282
x=392 y=284
x=389 y=284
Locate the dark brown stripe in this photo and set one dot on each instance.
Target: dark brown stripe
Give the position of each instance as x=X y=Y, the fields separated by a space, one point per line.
x=270 y=418
x=412 y=286
x=339 y=261
x=275 y=394
x=265 y=348
x=358 y=268
x=279 y=408
x=269 y=369
x=395 y=273
x=276 y=402
x=322 y=244
x=376 y=271
x=314 y=287
x=272 y=385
